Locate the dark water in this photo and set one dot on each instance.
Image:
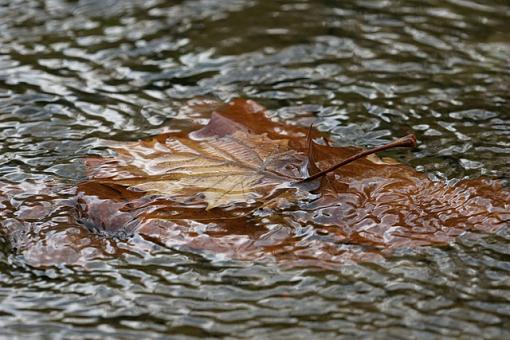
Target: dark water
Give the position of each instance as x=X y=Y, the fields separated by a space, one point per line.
x=74 y=74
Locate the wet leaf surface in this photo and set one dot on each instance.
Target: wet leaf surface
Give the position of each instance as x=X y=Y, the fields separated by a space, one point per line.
x=238 y=187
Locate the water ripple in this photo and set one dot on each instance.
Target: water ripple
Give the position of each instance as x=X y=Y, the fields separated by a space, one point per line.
x=74 y=74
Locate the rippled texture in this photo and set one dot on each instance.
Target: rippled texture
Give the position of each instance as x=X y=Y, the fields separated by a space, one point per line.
x=75 y=75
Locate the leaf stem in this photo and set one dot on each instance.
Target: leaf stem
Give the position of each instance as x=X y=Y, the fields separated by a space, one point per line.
x=407 y=141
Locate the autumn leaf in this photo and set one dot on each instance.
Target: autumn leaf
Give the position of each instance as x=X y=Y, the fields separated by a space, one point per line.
x=240 y=167
x=222 y=165
x=246 y=187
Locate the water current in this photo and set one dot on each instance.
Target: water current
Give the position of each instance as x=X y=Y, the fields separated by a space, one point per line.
x=77 y=74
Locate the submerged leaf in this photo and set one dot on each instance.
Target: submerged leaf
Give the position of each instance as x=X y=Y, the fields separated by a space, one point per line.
x=245 y=187
x=238 y=168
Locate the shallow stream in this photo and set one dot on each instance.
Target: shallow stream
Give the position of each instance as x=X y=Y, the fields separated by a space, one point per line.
x=75 y=74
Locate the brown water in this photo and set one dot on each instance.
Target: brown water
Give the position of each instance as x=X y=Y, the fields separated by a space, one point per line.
x=76 y=74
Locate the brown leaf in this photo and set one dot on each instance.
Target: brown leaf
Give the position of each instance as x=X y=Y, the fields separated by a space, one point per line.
x=201 y=190
x=214 y=171
x=245 y=187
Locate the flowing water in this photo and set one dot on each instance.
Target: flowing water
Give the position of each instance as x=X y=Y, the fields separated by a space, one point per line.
x=75 y=74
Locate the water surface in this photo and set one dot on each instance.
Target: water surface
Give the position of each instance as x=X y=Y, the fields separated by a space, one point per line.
x=76 y=74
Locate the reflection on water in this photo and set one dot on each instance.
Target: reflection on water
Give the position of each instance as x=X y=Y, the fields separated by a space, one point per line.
x=76 y=74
